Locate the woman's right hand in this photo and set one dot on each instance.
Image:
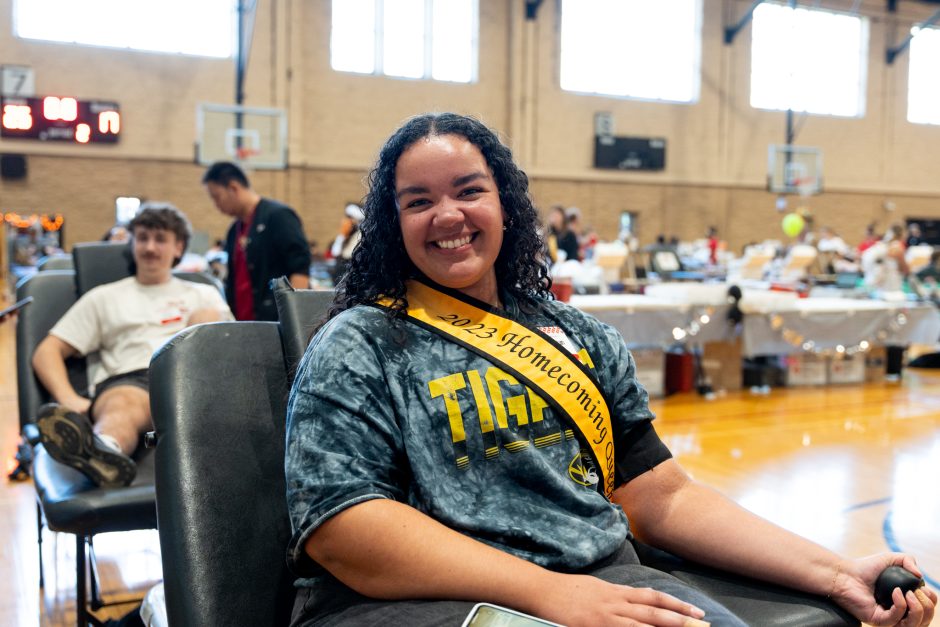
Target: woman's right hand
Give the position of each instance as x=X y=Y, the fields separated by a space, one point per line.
x=583 y=600
x=853 y=589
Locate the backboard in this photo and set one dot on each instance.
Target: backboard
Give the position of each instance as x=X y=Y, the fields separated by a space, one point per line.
x=253 y=137
x=794 y=170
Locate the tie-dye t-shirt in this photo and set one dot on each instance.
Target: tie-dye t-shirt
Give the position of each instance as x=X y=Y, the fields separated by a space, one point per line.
x=386 y=409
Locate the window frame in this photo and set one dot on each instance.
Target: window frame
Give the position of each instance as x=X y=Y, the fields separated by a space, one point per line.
x=694 y=88
x=913 y=63
x=863 y=66
x=232 y=47
x=378 y=30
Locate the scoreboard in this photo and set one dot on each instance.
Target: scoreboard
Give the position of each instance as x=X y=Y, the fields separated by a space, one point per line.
x=62 y=119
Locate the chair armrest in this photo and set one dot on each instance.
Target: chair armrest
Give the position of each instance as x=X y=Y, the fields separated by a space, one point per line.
x=754 y=601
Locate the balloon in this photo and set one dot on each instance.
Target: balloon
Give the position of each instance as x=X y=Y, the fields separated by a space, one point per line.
x=793 y=224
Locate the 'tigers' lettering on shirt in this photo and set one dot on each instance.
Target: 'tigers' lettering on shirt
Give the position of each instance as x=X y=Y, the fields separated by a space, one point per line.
x=510 y=415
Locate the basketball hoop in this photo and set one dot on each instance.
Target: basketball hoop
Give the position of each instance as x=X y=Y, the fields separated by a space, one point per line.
x=252 y=136
x=794 y=170
x=244 y=153
x=805 y=187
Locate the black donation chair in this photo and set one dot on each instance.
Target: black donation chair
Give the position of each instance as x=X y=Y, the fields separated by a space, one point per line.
x=219 y=401
x=299 y=313
x=59 y=261
x=67 y=500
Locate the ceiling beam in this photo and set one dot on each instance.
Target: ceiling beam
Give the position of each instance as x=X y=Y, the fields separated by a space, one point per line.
x=892 y=53
x=532 y=9
x=732 y=31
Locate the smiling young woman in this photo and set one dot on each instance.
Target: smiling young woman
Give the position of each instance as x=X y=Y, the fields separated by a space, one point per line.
x=451 y=216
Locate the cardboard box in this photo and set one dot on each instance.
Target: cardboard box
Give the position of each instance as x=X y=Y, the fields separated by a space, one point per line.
x=849 y=369
x=876 y=361
x=807 y=369
x=651 y=369
x=722 y=364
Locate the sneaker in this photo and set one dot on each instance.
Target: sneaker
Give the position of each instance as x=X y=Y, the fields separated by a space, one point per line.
x=69 y=439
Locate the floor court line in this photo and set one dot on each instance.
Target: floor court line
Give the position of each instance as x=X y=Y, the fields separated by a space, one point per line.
x=887 y=530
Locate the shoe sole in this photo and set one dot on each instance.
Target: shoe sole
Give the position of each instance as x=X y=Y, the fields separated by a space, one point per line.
x=70 y=441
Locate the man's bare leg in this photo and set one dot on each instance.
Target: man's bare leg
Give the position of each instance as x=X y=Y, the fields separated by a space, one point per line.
x=123 y=412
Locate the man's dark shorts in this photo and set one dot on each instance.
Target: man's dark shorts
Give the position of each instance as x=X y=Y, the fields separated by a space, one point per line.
x=136 y=378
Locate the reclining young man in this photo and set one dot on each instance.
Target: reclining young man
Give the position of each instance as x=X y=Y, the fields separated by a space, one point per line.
x=125 y=321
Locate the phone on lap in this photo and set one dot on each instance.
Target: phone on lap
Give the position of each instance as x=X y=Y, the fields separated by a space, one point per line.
x=15 y=306
x=489 y=615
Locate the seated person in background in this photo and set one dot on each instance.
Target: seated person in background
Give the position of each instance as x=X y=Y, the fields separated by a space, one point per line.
x=931 y=273
x=126 y=321
x=927 y=280
x=117 y=233
x=424 y=476
x=556 y=231
x=870 y=239
x=914 y=235
x=884 y=264
x=570 y=240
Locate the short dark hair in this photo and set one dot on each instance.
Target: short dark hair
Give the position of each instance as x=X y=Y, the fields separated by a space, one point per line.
x=166 y=217
x=380 y=265
x=223 y=173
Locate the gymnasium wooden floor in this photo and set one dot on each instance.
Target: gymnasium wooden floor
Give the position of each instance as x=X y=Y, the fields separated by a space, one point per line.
x=855 y=468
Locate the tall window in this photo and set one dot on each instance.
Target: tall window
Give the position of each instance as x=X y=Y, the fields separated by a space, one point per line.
x=201 y=28
x=430 y=39
x=923 y=91
x=633 y=48
x=808 y=60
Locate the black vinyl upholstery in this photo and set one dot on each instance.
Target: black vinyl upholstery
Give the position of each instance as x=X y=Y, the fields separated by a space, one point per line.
x=97 y=263
x=53 y=292
x=218 y=399
x=299 y=313
x=201 y=277
x=73 y=504
x=62 y=261
x=755 y=602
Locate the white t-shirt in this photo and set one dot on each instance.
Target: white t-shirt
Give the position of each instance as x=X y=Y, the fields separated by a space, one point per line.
x=127 y=321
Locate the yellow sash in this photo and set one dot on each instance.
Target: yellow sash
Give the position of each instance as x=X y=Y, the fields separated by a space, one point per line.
x=528 y=354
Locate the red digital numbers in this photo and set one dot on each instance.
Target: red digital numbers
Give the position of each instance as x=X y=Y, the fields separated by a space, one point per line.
x=109 y=122
x=65 y=109
x=60 y=119
x=17 y=117
x=82 y=133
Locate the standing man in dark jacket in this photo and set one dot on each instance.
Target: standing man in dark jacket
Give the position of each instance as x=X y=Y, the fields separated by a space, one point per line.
x=266 y=241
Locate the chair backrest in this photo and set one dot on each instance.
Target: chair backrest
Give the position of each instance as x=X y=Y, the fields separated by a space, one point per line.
x=97 y=263
x=664 y=261
x=200 y=277
x=55 y=262
x=218 y=394
x=53 y=292
x=299 y=312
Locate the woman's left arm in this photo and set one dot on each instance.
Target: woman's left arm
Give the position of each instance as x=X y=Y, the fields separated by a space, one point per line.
x=668 y=510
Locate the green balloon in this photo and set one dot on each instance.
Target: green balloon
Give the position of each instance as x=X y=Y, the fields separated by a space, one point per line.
x=793 y=224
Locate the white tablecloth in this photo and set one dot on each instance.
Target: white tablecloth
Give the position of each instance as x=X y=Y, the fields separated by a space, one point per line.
x=831 y=322
x=778 y=324
x=650 y=321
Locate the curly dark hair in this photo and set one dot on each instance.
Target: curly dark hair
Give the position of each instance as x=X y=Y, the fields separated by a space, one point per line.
x=166 y=217
x=380 y=265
